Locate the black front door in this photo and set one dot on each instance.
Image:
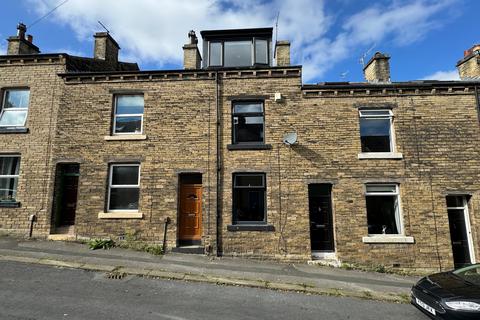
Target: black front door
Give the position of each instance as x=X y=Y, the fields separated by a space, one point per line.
x=66 y=191
x=321 y=219
x=458 y=234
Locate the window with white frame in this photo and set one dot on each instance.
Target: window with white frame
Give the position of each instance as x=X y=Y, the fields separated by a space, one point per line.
x=9 y=170
x=383 y=209
x=376 y=132
x=128 y=116
x=14 y=108
x=124 y=187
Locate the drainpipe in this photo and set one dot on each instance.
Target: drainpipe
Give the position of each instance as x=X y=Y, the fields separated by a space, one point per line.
x=167 y=221
x=219 y=166
x=477 y=98
x=32 y=218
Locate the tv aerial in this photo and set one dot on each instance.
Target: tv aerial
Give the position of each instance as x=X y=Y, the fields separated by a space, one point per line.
x=344 y=74
x=365 y=54
x=290 y=138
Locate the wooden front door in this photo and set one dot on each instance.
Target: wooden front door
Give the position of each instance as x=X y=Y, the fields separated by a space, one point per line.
x=190 y=213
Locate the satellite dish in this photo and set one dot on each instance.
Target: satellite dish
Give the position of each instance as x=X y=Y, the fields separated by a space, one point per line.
x=290 y=138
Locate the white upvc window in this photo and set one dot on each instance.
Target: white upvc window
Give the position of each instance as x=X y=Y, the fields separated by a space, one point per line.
x=14 y=108
x=9 y=173
x=376 y=130
x=383 y=209
x=123 y=187
x=128 y=115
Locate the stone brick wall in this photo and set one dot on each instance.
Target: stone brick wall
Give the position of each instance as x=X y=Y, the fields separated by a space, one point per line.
x=179 y=124
x=36 y=169
x=470 y=68
x=436 y=130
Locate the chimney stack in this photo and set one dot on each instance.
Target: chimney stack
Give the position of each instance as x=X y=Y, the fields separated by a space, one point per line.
x=18 y=45
x=106 y=48
x=377 y=70
x=282 y=53
x=469 y=67
x=191 y=55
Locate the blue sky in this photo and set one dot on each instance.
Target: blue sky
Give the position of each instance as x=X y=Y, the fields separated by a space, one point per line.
x=425 y=38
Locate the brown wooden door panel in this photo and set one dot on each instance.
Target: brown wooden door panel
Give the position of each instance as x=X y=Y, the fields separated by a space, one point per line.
x=190 y=213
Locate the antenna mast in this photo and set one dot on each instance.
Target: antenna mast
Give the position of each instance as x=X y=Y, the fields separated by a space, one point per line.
x=103 y=26
x=276 y=35
x=362 y=58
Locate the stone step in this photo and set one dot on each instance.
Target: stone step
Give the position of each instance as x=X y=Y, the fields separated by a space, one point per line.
x=189 y=249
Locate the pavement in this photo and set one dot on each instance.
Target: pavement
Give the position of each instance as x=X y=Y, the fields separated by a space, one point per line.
x=310 y=279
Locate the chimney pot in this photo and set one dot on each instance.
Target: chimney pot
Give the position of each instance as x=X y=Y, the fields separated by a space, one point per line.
x=19 y=44
x=21 y=30
x=191 y=55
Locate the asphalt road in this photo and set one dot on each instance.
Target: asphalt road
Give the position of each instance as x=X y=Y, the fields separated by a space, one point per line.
x=42 y=292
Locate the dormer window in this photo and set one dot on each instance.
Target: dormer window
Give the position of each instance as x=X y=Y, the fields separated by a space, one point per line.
x=237 y=48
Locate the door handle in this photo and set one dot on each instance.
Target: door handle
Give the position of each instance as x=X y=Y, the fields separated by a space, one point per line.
x=456 y=242
x=320 y=225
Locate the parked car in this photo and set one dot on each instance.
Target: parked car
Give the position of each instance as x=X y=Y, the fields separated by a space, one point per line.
x=449 y=295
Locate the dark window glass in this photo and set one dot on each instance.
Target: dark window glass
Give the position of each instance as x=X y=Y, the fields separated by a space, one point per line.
x=129 y=114
x=215 y=53
x=237 y=53
x=248 y=180
x=249 y=200
x=381 y=212
x=261 y=51
x=128 y=124
x=124 y=198
x=125 y=175
x=124 y=187
x=248 y=124
x=9 y=168
x=375 y=135
x=455 y=201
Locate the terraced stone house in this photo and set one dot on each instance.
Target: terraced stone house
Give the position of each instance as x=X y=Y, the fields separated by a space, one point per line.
x=240 y=156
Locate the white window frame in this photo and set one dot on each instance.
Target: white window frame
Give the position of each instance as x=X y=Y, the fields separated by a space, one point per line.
x=363 y=113
x=115 y=116
x=468 y=226
x=12 y=175
x=398 y=212
x=110 y=185
x=5 y=91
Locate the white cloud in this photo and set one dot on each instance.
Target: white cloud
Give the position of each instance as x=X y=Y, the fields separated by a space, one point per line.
x=443 y=75
x=3 y=45
x=153 y=31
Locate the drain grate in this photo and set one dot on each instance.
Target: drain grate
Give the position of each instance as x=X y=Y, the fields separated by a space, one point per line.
x=115 y=275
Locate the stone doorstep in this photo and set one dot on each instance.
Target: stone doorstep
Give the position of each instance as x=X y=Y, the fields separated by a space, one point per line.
x=295 y=287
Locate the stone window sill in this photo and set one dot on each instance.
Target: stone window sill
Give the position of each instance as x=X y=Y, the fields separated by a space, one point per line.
x=260 y=146
x=126 y=137
x=250 y=227
x=380 y=155
x=120 y=215
x=388 y=239
x=13 y=130
x=12 y=204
